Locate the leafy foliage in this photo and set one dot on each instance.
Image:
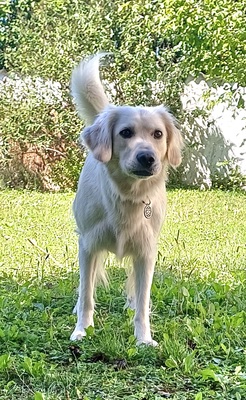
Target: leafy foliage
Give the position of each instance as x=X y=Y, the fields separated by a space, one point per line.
x=10 y=13
x=155 y=44
x=147 y=37
x=39 y=132
x=211 y=36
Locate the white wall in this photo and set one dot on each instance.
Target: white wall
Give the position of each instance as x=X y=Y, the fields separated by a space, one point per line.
x=215 y=141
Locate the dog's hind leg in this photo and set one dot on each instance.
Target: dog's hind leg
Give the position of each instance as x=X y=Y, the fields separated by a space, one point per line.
x=85 y=304
x=130 y=291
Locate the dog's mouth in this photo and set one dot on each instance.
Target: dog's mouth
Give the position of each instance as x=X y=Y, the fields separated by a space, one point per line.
x=142 y=173
x=138 y=172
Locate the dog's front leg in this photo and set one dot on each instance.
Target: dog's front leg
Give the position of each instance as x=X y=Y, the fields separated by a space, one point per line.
x=85 y=303
x=143 y=271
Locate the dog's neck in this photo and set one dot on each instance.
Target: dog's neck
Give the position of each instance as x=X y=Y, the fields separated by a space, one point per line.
x=133 y=189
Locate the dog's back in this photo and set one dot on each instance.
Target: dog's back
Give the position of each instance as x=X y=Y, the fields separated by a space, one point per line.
x=87 y=89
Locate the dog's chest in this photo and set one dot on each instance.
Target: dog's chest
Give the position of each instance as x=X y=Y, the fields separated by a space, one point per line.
x=135 y=228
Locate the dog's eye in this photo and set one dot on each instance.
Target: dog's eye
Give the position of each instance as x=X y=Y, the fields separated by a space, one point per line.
x=126 y=133
x=157 y=134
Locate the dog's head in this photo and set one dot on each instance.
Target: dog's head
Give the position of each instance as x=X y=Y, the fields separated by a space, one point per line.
x=141 y=139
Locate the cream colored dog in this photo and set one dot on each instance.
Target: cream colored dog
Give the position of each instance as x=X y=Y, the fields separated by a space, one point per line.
x=121 y=201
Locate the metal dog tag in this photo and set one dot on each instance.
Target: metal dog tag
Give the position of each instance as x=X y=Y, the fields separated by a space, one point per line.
x=147 y=210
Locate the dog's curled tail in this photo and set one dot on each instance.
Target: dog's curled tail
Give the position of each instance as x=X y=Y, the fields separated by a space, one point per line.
x=87 y=89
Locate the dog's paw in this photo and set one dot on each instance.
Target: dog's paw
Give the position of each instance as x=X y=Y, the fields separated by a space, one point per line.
x=149 y=342
x=77 y=334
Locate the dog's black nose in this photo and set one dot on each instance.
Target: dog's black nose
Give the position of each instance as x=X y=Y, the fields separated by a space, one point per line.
x=146 y=159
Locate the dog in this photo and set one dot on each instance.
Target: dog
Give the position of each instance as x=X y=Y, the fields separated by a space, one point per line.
x=120 y=203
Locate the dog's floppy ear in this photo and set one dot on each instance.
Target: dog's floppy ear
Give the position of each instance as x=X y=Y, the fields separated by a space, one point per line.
x=174 y=138
x=98 y=137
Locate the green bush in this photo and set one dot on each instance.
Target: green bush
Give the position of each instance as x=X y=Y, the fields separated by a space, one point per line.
x=39 y=130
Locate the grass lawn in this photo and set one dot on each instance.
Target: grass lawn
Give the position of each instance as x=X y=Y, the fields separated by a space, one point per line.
x=198 y=310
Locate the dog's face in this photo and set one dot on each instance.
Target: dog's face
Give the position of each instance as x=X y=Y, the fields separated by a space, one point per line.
x=139 y=139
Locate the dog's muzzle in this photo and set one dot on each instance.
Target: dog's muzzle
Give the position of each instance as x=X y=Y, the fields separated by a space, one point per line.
x=146 y=162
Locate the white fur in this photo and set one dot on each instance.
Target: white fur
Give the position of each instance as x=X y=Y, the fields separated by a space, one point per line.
x=113 y=187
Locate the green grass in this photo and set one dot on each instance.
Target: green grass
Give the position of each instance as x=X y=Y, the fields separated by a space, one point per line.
x=198 y=311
